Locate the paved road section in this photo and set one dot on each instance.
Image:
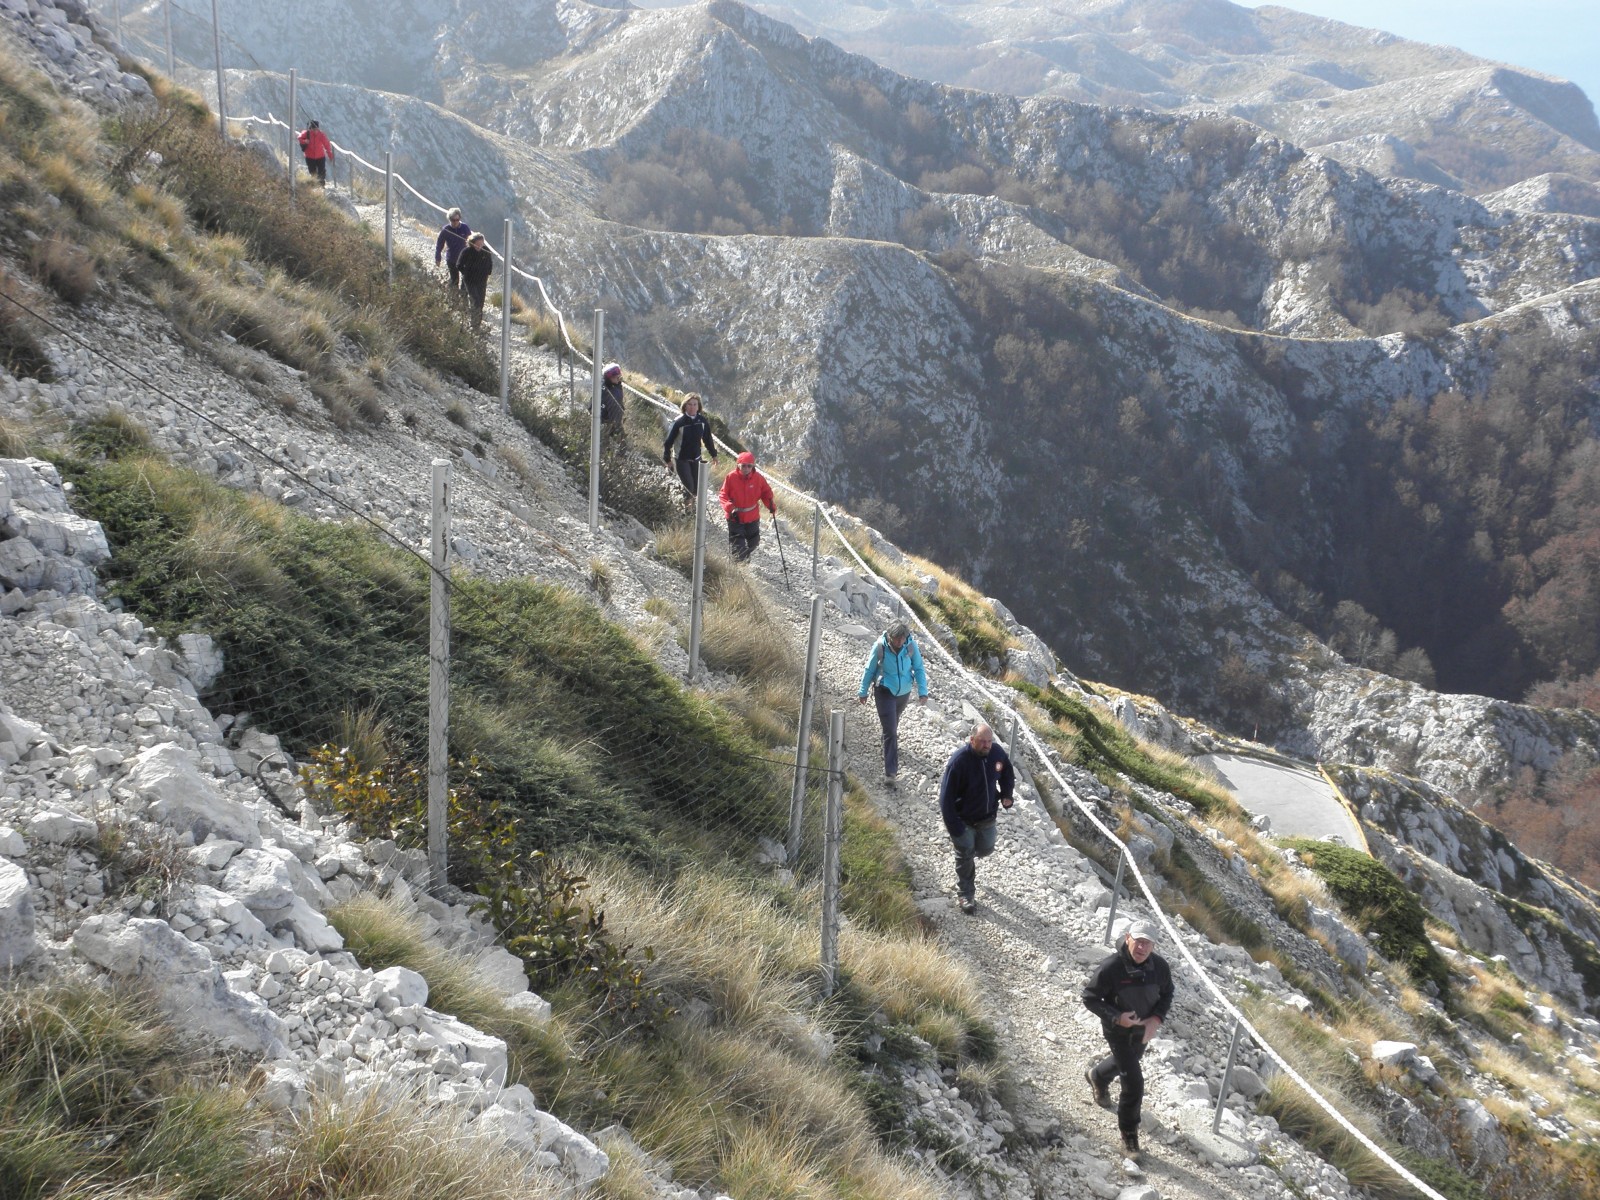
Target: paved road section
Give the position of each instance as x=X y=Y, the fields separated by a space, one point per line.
x=1299 y=801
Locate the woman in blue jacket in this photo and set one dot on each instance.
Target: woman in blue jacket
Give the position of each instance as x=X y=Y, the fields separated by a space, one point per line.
x=894 y=665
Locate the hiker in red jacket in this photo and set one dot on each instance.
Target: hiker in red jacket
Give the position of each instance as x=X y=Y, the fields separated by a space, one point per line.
x=314 y=144
x=744 y=491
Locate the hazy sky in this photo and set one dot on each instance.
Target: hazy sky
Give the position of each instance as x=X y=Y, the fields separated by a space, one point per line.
x=1560 y=37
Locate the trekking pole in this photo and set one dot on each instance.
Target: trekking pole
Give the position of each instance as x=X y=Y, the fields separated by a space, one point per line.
x=778 y=533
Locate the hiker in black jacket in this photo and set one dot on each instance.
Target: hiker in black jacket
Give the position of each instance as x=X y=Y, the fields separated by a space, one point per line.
x=977 y=781
x=1130 y=992
x=695 y=432
x=612 y=407
x=476 y=264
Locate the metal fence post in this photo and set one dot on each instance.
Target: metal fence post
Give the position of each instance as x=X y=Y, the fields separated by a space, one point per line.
x=439 y=680
x=289 y=136
x=1227 y=1076
x=1116 y=890
x=222 y=94
x=505 y=325
x=388 y=210
x=166 y=15
x=832 y=832
x=816 y=537
x=698 y=582
x=802 y=753
x=594 y=424
x=116 y=22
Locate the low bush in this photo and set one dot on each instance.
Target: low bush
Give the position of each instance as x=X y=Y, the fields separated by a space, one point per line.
x=1107 y=749
x=65 y=267
x=22 y=354
x=1371 y=895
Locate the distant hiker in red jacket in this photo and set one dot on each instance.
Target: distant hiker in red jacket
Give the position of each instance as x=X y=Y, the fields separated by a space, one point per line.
x=314 y=144
x=744 y=491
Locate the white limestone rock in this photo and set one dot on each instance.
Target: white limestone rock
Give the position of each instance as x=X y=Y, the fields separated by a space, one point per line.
x=405 y=985
x=502 y=970
x=17 y=942
x=261 y=880
x=311 y=929
x=21 y=740
x=184 y=978
x=167 y=780
x=535 y=1005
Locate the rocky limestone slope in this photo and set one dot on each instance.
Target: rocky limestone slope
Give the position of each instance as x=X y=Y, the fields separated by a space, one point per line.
x=1369 y=99
x=102 y=720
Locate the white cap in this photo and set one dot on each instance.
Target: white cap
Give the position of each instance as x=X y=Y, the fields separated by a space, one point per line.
x=1143 y=929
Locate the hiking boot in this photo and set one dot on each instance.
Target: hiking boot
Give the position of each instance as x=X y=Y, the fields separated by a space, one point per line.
x=969 y=905
x=891 y=781
x=1130 y=1144
x=1102 y=1092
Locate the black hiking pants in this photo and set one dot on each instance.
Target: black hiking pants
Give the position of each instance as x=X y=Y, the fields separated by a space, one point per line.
x=1127 y=1051
x=689 y=474
x=477 y=291
x=743 y=538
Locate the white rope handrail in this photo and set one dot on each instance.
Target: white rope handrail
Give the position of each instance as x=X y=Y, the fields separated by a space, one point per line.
x=978 y=684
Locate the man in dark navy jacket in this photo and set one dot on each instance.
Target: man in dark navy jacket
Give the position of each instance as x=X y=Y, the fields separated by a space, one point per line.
x=1130 y=992
x=977 y=781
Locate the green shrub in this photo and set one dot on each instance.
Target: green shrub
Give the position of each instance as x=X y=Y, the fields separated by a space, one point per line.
x=1372 y=896
x=1104 y=746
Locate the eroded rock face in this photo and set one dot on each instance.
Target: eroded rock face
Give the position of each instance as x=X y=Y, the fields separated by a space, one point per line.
x=44 y=545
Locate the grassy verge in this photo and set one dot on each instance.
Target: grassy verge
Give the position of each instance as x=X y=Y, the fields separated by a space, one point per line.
x=99 y=1096
x=753 y=1088
x=154 y=200
x=981 y=639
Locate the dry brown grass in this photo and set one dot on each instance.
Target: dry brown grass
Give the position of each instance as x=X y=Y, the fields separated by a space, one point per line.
x=740 y=635
x=65 y=267
x=386 y=1143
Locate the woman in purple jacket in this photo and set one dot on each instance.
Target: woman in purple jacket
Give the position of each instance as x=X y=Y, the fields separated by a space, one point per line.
x=452 y=241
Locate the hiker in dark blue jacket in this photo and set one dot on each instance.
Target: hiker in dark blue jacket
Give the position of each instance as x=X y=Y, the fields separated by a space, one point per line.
x=893 y=667
x=978 y=781
x=452 y=241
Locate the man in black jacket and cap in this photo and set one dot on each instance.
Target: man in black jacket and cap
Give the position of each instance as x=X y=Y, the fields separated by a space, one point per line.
x=1130 y=992
x=977 y=781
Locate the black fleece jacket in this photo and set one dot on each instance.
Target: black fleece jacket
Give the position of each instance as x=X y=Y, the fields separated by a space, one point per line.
x=1121 y=985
